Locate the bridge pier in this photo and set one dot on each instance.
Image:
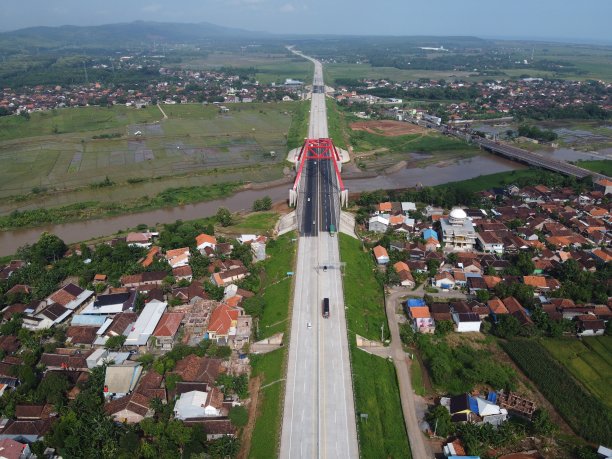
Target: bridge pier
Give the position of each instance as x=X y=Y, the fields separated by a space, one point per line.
x=292 y=197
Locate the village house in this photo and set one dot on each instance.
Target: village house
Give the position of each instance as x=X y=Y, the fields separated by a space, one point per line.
x=166 y=331
x=421 y=319
x=378 y=223
x=198 y=369
x=197 y=404
x=149 y=280
x=204 y=241
x=182 y=273
x=403 y=271
x=178 y=257
x=223 y=278
x=140 y=239
x=381 y=255
x=146 y=323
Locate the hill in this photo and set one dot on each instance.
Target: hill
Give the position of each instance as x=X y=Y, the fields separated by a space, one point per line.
x=120 y=35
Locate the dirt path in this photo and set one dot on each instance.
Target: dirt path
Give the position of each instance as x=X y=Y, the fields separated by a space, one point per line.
x=162 y=111
x=418 y=445
x=247 y=431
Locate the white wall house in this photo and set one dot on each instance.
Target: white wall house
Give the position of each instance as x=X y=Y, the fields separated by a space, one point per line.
x=195 y=404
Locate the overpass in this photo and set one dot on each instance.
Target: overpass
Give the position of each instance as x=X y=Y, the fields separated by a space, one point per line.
x=524 y=156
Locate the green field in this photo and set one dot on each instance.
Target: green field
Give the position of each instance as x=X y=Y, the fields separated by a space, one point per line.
x=376 y=152
x=603 y=167
x=383 y=434
x=254 y=223
x=276 y=291
x=416 y=376
x=588 y=360
x=359 y=71
x=363 y=295
x=71 y=120
x=266 y=434
x=269 y=68
x=195 y=139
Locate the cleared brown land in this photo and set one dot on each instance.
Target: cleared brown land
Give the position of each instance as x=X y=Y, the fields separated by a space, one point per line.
x=387 y=127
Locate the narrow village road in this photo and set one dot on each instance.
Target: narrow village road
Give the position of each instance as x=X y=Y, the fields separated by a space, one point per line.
x=418 y=445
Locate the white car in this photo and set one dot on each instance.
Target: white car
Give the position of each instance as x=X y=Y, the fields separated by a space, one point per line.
x=308 y=325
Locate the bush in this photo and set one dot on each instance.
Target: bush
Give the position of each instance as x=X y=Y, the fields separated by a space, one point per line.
x=457 y=370
x=239 y=416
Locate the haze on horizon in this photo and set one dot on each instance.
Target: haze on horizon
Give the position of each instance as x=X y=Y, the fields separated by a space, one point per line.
x=529 y=19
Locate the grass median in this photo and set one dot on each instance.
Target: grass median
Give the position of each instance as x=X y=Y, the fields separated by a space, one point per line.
x=383 y=434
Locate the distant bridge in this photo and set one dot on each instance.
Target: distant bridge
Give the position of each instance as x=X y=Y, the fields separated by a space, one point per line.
x=525 y=156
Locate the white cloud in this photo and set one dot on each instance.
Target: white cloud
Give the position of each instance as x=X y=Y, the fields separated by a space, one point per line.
x=152 y=8
x=287 y=8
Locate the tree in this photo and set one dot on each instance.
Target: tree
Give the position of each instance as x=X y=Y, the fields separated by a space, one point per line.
x=444 y=327
x=507 y=326
x=48 y=248
x=224 y=217
x=439 y=420
x=407 y=334
x=525 y=264
x=52 y=388
x=482 y=295
x=264 y=203
x=223 y=447
x=432 y=266
x=115 y=342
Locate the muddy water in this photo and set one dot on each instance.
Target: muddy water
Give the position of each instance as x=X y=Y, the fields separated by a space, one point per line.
x=243 y=200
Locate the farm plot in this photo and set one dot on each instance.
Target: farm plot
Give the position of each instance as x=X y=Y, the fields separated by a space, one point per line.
x=588 y=360
x=195 y=139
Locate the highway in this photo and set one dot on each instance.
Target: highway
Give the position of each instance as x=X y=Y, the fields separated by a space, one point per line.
x=319 y=411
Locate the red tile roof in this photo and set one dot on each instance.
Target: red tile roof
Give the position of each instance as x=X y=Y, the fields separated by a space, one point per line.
x=205 y=238
x=168 y=324
x=380 y=251
x=221 y=319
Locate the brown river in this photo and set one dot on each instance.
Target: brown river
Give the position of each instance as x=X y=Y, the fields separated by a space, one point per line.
x=243 y=200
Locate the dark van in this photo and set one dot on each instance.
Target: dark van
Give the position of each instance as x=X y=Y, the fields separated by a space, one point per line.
x=326 y=307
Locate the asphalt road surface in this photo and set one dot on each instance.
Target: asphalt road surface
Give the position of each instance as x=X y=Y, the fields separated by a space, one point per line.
x=319 y=412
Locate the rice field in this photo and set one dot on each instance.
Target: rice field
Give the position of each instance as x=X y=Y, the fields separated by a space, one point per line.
x=63 y=149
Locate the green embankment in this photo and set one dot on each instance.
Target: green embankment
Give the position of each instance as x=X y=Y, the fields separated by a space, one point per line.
x=276 y=292
x=299 y=126
x=603 y=167
x=363 y=294
x=336 y=125
x=95 y=209
x=383 y=434
x=266 y=434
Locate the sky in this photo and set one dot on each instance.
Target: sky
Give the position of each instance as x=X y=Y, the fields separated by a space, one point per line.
x=586 y=20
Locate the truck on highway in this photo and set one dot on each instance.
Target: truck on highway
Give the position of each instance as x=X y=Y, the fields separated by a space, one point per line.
x=326 y=308
x=332 y=229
